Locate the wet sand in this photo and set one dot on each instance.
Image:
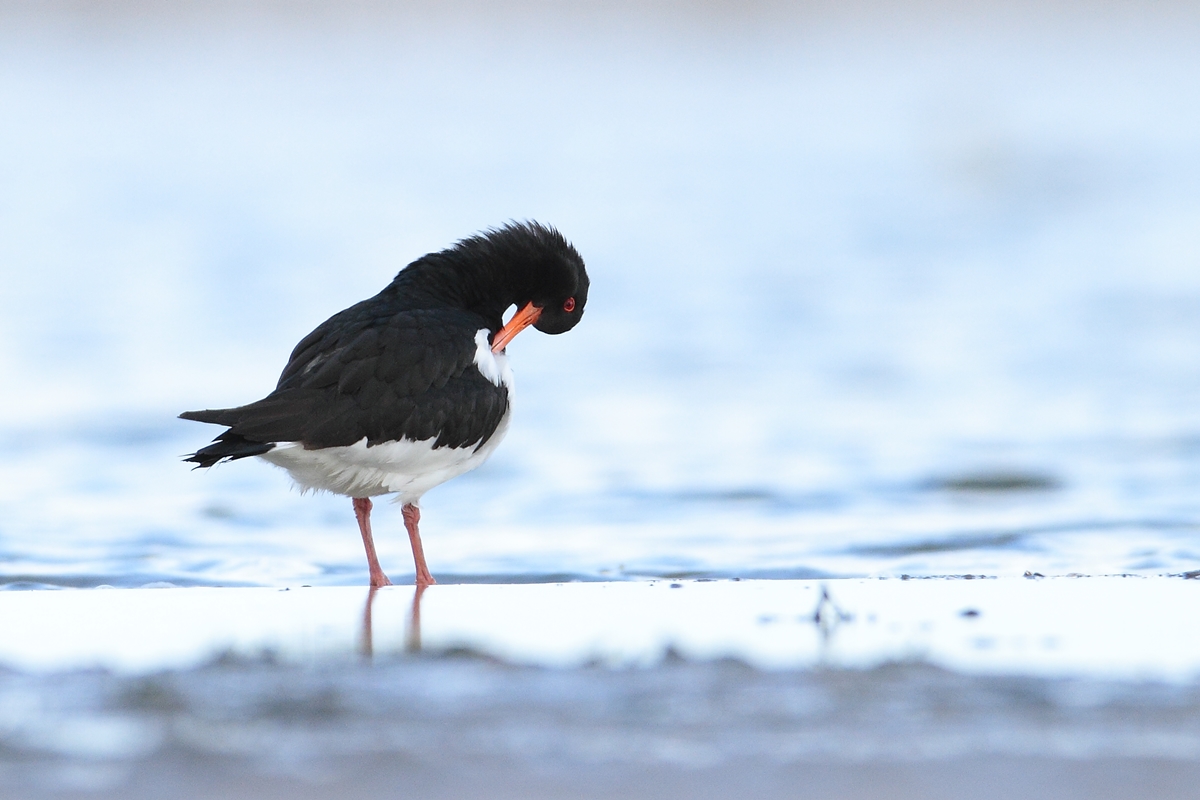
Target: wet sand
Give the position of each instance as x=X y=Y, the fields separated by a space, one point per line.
x=1101 y=627
x=981 y=777
x=838 y=689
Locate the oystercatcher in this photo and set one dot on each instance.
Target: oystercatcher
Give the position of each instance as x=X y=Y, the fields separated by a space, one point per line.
x=410 y=388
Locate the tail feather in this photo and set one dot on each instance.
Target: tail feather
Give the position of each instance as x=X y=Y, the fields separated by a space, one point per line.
x=229 y=445
x=217 y=416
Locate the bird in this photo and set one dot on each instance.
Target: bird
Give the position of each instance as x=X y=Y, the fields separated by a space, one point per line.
x=412 y=387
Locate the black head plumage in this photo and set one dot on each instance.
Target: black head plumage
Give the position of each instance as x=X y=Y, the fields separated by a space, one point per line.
x=516 y=264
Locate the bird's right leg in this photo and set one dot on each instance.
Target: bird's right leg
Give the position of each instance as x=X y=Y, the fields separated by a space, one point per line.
x=362 y=511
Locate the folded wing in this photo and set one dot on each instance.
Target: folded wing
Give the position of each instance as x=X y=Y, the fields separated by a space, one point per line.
x=366 y=374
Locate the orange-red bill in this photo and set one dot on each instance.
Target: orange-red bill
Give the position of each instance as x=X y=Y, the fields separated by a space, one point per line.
x=519 y=322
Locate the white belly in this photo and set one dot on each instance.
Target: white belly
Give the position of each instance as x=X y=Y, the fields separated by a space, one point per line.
x=406 y=468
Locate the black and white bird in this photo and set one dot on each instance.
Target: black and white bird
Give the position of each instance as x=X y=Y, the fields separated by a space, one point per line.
x=410 y=388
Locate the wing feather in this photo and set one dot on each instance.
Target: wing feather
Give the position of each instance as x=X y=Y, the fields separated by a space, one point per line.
x=410 y=374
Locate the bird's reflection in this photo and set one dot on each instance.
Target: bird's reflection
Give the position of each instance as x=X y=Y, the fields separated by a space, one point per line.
x=365 y=644
x=412 y=637
x=412 y=634
x=827 y=617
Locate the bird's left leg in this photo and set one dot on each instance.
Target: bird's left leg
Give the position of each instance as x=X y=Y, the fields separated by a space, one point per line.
x=412 y=517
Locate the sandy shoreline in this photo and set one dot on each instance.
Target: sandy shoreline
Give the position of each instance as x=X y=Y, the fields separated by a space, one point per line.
x=834 y=689
x=1124 y=628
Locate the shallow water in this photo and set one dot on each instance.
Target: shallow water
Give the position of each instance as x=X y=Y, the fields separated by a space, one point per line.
x=871 y=298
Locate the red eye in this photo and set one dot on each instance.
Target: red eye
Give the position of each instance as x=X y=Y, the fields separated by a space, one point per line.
x=569 y=306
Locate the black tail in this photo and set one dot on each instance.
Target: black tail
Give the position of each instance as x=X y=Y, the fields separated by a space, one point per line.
x=217 y=416
x=227 y=446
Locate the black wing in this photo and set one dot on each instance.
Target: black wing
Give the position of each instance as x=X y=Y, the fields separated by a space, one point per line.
x=363 y=373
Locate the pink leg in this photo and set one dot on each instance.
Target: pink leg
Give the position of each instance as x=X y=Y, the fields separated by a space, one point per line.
x=412 y=516
x=362 y=510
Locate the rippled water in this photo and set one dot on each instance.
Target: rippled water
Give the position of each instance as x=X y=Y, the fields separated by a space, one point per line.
x=869 y=300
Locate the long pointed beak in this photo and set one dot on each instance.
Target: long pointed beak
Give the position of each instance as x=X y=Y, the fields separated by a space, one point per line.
x=520 y=321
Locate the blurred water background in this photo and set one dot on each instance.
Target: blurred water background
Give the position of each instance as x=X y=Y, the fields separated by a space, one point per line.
x=878 y=289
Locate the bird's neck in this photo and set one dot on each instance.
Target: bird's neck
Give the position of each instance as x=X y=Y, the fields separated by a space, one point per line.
x=484 y=286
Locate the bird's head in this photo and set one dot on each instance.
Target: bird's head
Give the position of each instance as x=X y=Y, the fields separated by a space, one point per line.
x=525 y=264
x=550 y=279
